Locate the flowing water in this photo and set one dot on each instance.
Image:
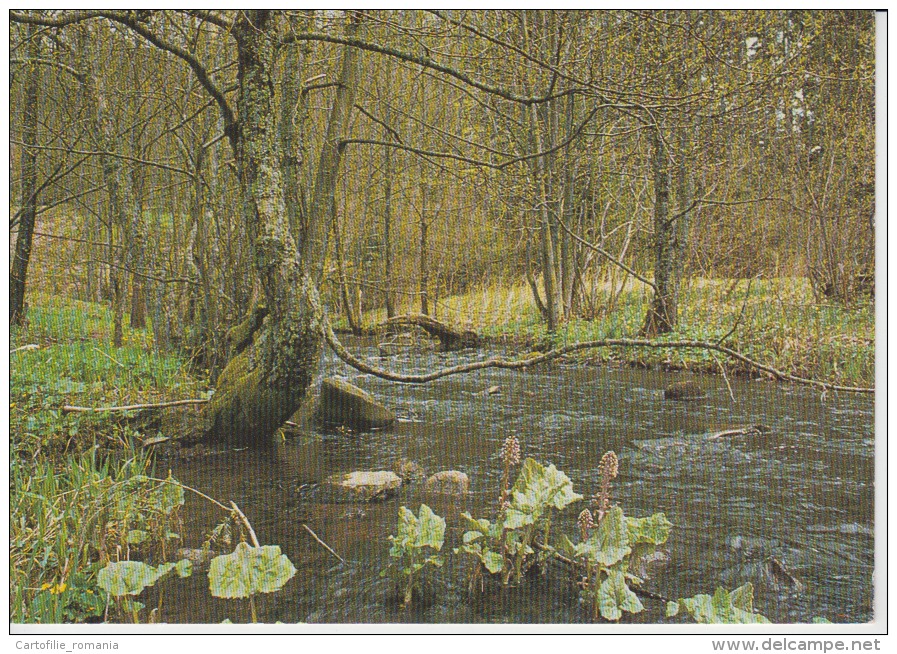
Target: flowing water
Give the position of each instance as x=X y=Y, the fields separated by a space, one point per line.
x=800 y=493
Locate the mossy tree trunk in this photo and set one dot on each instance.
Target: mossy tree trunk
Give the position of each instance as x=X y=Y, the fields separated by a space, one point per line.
x=264 y=384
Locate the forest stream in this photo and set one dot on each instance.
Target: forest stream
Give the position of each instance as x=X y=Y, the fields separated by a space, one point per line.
x=799 y=495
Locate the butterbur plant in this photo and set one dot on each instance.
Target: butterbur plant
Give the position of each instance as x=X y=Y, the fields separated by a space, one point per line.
x=418 y=536
x=609 y=549
x=248 y=571
x=608 y=468
x=510 y=545
x=723 y=607
x=510 y=456
x=124 y=580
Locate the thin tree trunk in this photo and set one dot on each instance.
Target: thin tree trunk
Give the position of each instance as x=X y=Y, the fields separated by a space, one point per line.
x=314 y=244
x=343 y=284
x=684 y=195
x=28 y=210
x=122 y=212
x=662 y=315
x=540 y=174
x=388 y=272
x=568 y=268
x=531 y=280
x=136 y=256
x=424 y=272
x=291 y=160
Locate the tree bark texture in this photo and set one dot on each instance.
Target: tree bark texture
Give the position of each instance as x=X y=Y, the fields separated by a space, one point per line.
x=28 y=210
x=264 y=384
x=662 y=315
x=314 y=244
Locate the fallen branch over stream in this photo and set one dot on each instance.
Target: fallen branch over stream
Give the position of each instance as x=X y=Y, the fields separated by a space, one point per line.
x=519 y=364
x=450 y=337
x=131 y=407
x=514 y=364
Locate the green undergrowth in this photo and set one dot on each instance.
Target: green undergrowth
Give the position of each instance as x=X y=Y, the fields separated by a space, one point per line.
x=65 y=518
x=74 y=363
x=776 y=322
x=78 y=493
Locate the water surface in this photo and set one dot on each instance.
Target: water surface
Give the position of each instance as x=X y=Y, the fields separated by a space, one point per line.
x=801 y=493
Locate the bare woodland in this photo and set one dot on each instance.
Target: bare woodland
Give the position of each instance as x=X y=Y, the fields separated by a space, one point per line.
x=279 y=171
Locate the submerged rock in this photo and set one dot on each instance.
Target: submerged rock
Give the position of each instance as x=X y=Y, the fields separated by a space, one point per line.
x=343 y=404
x=687 y=390
x=448 y=481
x=361 y=486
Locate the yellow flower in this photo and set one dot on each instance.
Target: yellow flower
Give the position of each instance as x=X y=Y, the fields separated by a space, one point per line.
x=46 y=586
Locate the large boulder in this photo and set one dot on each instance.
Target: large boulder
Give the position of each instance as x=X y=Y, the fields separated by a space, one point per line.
x=453 y=482
x=343 y=404
x=361 y=486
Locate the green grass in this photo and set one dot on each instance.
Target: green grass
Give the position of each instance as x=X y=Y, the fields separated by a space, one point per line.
x=70 y=494
x=76 y=364
x=778 y=323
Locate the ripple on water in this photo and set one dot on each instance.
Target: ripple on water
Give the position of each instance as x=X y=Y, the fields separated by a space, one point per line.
x=802 y=492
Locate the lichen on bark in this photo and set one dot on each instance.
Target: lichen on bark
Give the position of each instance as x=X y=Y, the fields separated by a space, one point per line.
x=277 y=358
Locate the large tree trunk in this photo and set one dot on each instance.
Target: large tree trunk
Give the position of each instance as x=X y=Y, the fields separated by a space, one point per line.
x=28 y=210
x=263 y=385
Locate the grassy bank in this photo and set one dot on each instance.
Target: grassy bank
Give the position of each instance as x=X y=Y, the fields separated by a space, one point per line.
x=774 y=321
x=75 y=363
x=74 y=501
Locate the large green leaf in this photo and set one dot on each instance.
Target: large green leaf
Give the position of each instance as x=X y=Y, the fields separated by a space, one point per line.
x=724 y=607
x=249 y=570
x=424 y=530
x=609 y=543
x=536 y=489
x=482 y=526
x=614 y=597
x=493 y=561
x=654 y=529
x=130 y=577
x=431 y=529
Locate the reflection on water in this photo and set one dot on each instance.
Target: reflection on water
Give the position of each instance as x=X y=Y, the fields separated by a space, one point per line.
x=801 y=493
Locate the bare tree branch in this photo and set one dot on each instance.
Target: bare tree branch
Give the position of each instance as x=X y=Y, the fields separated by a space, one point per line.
x=521 y=364
x=426 y=62
x=105 y=153
x=605 y=254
